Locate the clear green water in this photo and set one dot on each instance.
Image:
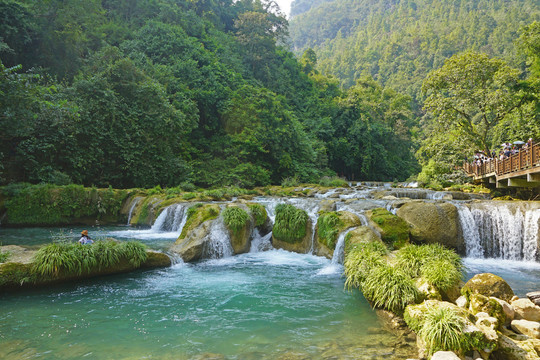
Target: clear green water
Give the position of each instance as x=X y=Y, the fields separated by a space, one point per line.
x=270 y=305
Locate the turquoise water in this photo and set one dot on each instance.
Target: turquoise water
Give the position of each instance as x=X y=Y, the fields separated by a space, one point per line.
x=266 y=305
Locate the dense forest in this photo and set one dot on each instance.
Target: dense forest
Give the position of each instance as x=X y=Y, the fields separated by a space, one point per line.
x=487 y=48
x=177 y=92
x=208 y=93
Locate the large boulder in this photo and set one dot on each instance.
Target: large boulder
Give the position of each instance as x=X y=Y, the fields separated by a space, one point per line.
x=526 y=309
x=196 y=232
x=526 y=327
x=329 y=226
x=394 y=230
x=240 y=225
x=489 y=285
x=362 y=234
x=156 y=259
x=433 y=223
x=515 y=349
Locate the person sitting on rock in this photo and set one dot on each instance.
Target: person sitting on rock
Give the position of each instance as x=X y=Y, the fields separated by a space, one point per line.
x=85 y=239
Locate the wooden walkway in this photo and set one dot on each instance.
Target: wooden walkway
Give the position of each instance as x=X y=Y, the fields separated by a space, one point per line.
x=518 y=170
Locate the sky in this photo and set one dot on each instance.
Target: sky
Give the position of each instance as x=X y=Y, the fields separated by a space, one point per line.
x=285 y=6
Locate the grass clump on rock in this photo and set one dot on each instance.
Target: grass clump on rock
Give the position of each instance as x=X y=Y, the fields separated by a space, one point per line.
x=328 y=227
x=394 y=230
x=290 y=224
x=389 y=288
x=67 y=259
x=259 y=214
x=198 y=214
x=361 y=260
x=235 y=218
x=4 y=255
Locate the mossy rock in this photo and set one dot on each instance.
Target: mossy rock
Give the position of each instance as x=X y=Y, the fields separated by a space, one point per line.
x=431 y=223
x=198 y=214
x=329 y=226
x=516 y=348
x=146 y=211
x=259 y=214
x=156 y=259
x=240 y=225
x=480 y=303
x=394 y=230
x=361 y=234
x=488 y=285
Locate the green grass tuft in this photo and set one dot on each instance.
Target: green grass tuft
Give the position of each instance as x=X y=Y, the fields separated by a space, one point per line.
x=328 y=228
x=334 y=181
x=235 y=218
x=361 y=260
x=441 y=273
x=442 y=330
x=290 y=224
x=4 y=255
x=259 y=214
x=389 y=288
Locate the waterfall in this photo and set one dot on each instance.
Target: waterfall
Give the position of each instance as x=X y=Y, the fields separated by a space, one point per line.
x=470 y=233
x=500 y=231
x=172 y=218
x=339 y=251
x=218 y=244
x=134 y=204
x=311 y=207
x=260 y=243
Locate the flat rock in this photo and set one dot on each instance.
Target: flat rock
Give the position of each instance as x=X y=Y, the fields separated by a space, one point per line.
x=534 y=297
x=445 y=355
x=525 y=327
x=525 y=309
x=18 y=254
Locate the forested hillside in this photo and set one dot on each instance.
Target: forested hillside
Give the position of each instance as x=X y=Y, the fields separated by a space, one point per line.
x=398 y=42
x=177 y=92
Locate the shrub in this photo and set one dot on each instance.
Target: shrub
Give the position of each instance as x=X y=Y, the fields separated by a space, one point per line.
x=361 y=260
x=156 y=190
x=259 y=214
x=189 y=196
x=389 y=288
x=290 y=181
x=328 y=228
x=55 y=259
x=216 y=194
x=290 y=224
x=333 y=181
x=235 y=218
x=442 y=329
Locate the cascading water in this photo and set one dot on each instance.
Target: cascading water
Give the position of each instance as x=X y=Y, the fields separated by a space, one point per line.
x=311 y=207
x=339 y=251
x=218 y=245
x=260 y=243
x=500 y=231
x=133 y=205
x=171 y=219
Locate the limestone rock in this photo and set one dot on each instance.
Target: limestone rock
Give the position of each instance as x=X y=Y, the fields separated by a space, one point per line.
x=302 y=246
x=345 y=220
x=428 y=291
x=394 y=230
x=433 y=223
x=362 y=234
x=479 y=303
x=445 y=355
x=18 y=254
x=534 y=297
x=240 y=238
x=488 y=285
x=327 y=205
x=484 y=320
x=462 y=302
x=525 y=309
x=156 y=259
x=511 y=349
x=525 y=327
x=191 y=247
x=508 y=310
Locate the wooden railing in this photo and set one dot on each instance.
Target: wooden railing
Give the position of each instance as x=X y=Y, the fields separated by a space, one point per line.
x=523 y=160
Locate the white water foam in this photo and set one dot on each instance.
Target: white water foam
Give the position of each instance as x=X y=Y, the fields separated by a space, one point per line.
x=219 y=243
x=133 y=205
x=471 y=236
x=260 y=243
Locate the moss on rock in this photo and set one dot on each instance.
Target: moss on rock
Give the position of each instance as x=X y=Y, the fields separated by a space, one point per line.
x=240 y=225
x=291 y=224
x=394 y=230
x=480 y=303
x=488 y=285
x=197 y=215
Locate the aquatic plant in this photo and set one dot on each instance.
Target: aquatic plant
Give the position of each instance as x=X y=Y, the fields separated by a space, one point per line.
x=389 y=288
x=235 y=218
x=259 y=214
x=290 y=224
x=442 y=329
x=360 y=260
x=86 y=257
x=328 y=226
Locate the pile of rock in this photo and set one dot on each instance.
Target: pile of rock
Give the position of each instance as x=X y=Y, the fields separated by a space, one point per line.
x=504 y=326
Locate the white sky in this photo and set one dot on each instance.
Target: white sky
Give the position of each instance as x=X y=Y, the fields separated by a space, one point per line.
x=285 y=6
